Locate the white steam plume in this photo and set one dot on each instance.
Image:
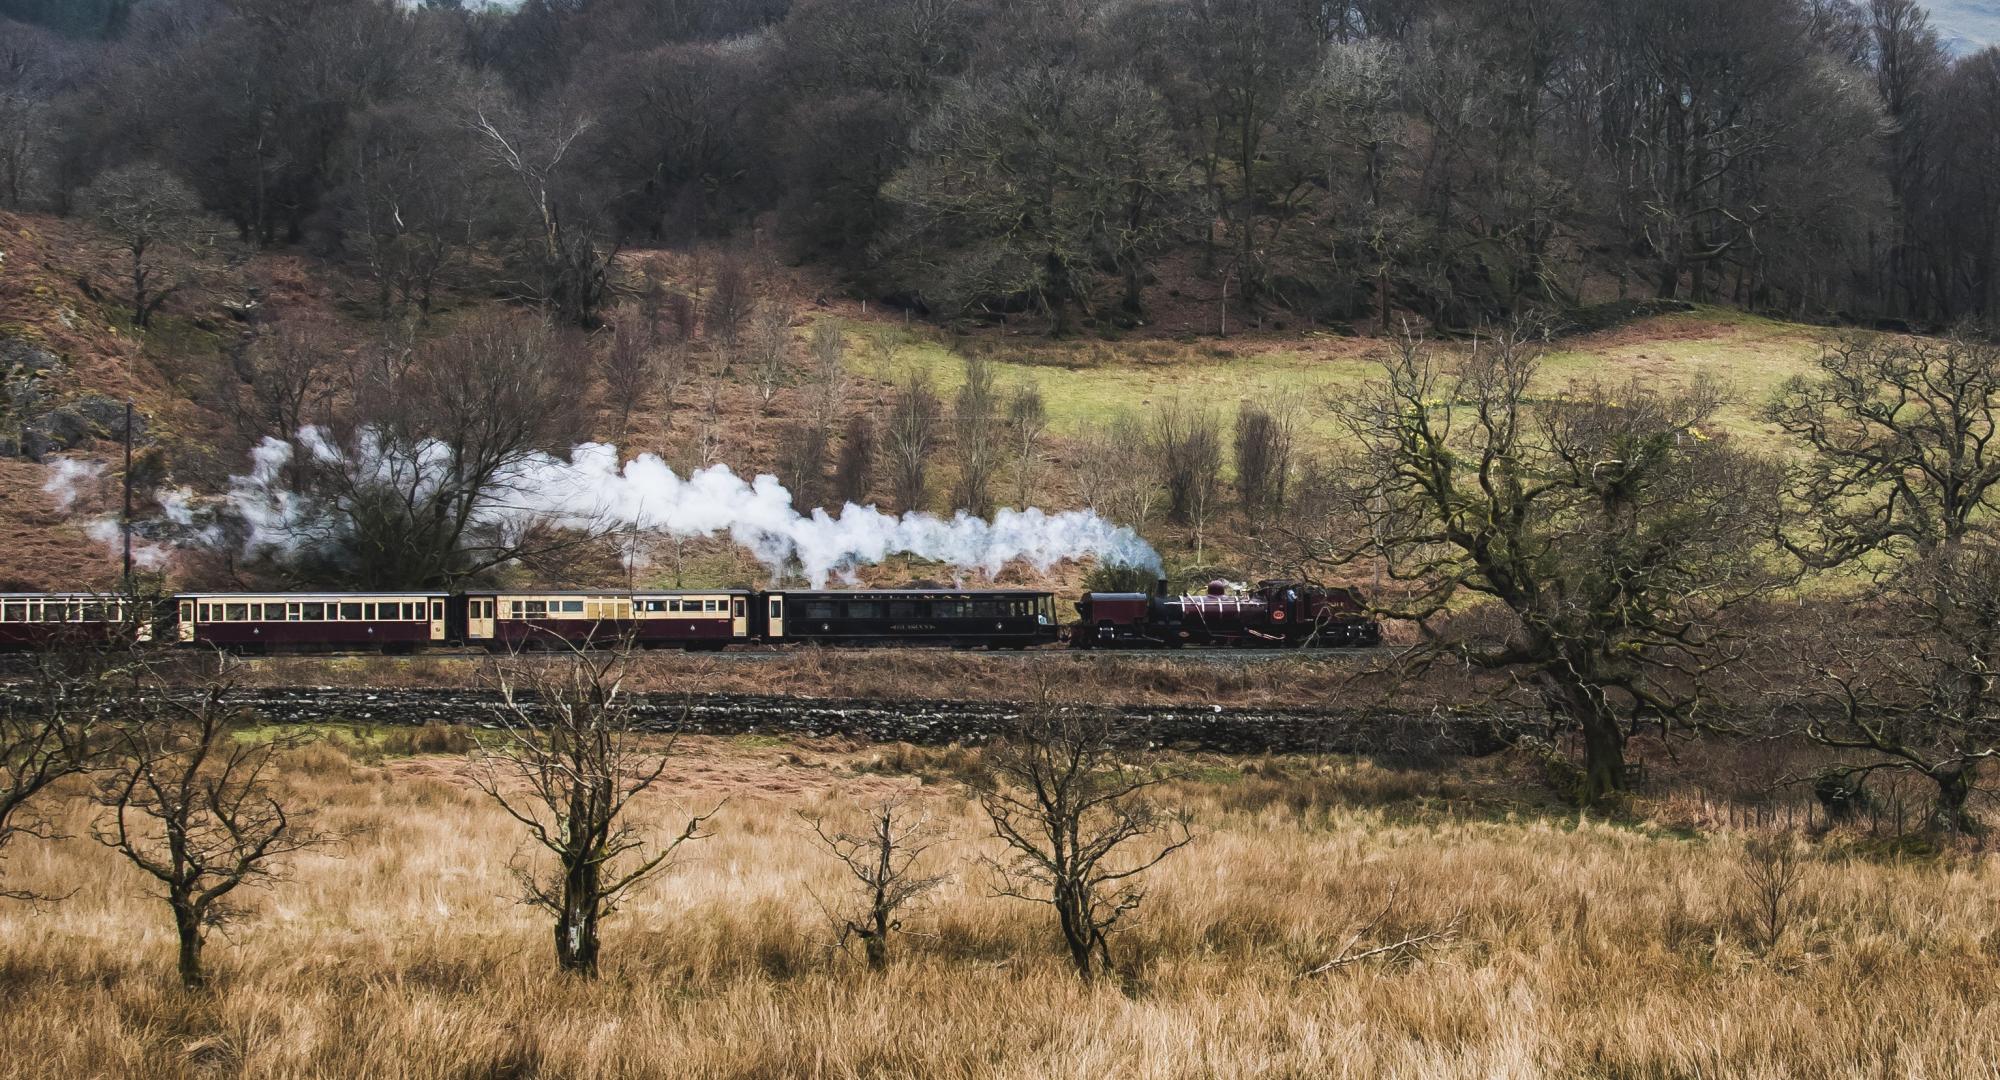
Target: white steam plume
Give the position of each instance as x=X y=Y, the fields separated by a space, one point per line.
x=72 y=480
x=68 y=479
x=592 y=490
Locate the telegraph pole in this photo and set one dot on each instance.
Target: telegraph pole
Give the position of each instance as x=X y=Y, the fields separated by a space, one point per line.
x=125 y=519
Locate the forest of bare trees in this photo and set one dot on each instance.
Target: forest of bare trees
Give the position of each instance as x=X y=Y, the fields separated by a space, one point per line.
x=1461 y=159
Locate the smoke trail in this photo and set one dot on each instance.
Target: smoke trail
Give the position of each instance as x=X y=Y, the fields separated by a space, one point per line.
x=72 y=480
x=68 y=479
x=593 y=491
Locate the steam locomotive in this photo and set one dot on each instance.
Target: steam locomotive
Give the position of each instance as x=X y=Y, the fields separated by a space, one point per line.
x=1274 y=614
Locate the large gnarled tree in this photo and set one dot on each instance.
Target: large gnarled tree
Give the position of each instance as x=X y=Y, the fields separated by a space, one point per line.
x=1611 y=523
x=1899 y=477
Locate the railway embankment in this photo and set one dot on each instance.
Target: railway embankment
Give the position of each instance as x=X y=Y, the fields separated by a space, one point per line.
x=1218 y=729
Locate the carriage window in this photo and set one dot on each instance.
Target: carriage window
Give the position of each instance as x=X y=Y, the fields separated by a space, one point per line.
x=902 y=609
x=236 y=612
x=777 y=607
x=537 y=609
x=15 y=611
x=350 y=612
x=274 y=612
x=203 y=615
x=673 y=605
x=819 y=609
x=187 y=611
x=312 y=612
x=437 y=609
x=711 y=605
x=572 y=607
x=863 y=609
x=736 y=609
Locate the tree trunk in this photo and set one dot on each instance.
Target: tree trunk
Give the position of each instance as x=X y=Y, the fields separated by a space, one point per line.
x=1603 y=739
x=1954 y=784
x=576 y=931
x=1076 y=932
x=187 y=926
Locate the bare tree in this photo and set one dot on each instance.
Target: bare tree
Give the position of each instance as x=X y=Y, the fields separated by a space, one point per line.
x=973 y=430
x=567 y=768
x=829 y=373
x=769 y=346
x=1187 y=443
x=1928 y=704
x=47 y=724
x=1902 y=467
x=801 y=463
x=1094 y=466
x=1263 y=446
x=1027 y=424
x=625 y=363
x=911 y=439
x=1610 y=524
x=883 y=859
x=567 y=270
x=1903 y=448
x=414 y=485
x=1079 y=829
x=1134 y=488
x=198 y=808
x=673 y=366
x=284 y=381
x=148 y=211
x=1773 y=870
x=731 y=300
x=854 y=473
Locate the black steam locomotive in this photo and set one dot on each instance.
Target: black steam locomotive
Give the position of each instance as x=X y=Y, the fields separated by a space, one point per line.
x=1273 y=614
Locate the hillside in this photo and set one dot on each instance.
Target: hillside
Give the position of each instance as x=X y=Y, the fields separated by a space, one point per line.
x=74 y=357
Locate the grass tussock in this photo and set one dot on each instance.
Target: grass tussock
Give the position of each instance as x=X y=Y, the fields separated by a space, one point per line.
x=1577 y=947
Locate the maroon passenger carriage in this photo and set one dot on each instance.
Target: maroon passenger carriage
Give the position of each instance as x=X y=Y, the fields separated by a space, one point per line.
x=40 y=620
x=307 y=622
x=506 y=621
x=1274 y=614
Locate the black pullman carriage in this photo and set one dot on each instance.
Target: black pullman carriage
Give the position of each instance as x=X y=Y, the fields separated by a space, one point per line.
x=997 y=618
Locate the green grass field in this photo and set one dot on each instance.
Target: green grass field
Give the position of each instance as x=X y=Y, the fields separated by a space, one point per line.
x=1087 y=383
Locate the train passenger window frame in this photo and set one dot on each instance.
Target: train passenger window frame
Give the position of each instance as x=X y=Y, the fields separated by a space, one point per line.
x=350 y=612
x=201 y=613
x=569 y=607
x=237 y=612
x=14 y=611
x=312 y=611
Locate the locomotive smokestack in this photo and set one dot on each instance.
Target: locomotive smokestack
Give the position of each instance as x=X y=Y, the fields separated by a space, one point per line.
x=1160 y=587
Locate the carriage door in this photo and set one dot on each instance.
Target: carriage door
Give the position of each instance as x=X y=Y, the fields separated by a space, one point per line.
x=777 y=620
x=479 y=617
x=437 y=619
x=739 y=617
x=184 y=628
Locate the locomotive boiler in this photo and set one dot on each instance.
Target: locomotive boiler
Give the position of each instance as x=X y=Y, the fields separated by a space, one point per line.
x=1273 y=614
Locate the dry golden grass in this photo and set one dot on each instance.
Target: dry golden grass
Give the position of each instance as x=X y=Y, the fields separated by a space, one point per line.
x=1586 y=949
